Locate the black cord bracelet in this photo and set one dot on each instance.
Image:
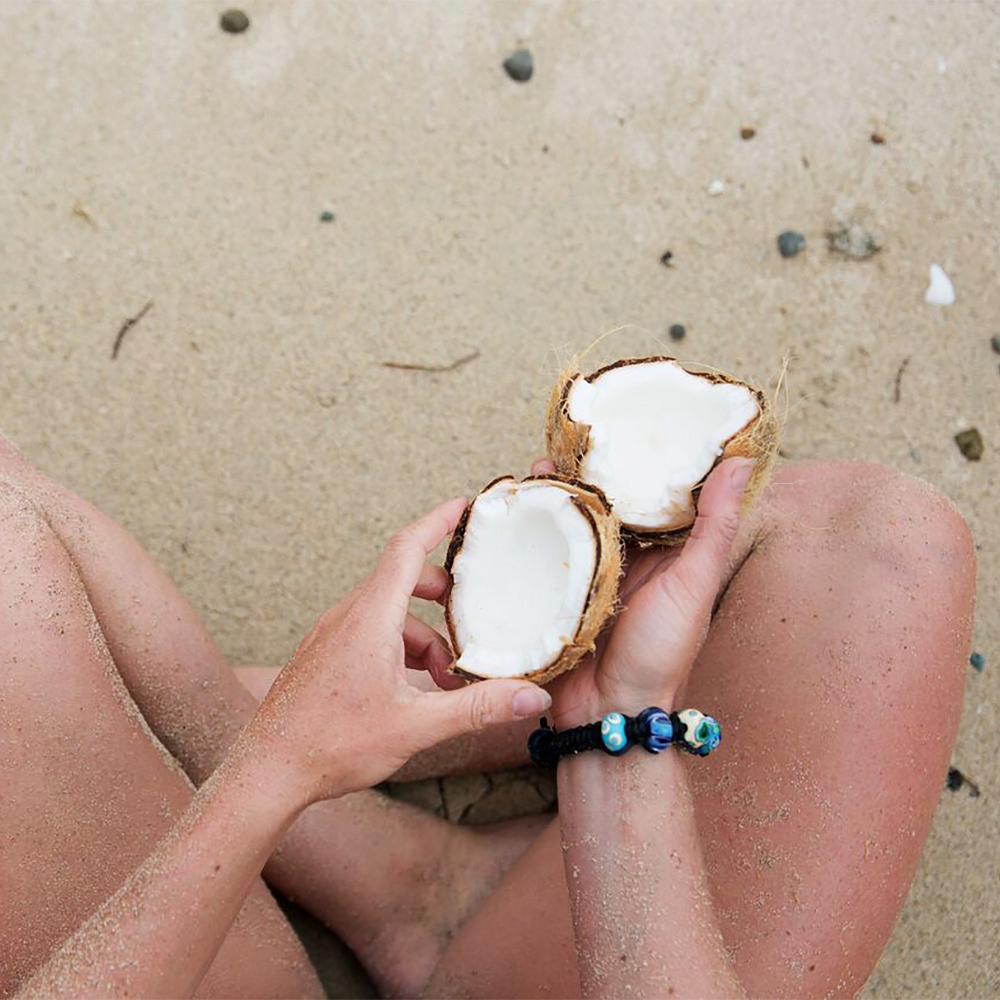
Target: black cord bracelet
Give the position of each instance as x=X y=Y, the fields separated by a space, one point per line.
x=616 y=733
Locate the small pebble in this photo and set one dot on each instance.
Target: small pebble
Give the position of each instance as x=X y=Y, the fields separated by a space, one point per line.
x=747 y=132
x=877 y=139
x=716 y=188
x=234 y=21
x=677 y=332
x=791 y=243
x=978 y=662
x=519 y=65
x=970 y=444
x=995 y=344
x=956 y=780
x=668 y=256
x=853 y=240
x=326 y=216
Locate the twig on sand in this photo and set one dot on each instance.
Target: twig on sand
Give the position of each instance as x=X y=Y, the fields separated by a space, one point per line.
x=126 y=326
x=81 y=213
x=405 y=366
x=897 y=388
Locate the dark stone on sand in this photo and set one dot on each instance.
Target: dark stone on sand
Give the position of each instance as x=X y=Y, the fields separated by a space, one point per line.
x=970 y=444
x=677 y=332
x=326 y=216
x=955 y=779
x=791 y=243
x=519 y=65
x=978 y=662
x=854 y=241
x=234 y=21
x=666 y=258
x=747 y=132
x=995 y=344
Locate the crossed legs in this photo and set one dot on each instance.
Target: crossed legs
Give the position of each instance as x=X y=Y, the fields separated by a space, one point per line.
x=114 y=703
x=842 y=632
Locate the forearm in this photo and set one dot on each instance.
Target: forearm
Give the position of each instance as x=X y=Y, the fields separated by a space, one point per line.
x=159 y=933
x=642 y=912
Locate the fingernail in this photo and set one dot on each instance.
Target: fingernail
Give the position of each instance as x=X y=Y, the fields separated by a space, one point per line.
x=530 y=701
x=740 y=476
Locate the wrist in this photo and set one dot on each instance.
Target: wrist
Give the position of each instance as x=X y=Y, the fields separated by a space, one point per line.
x=581 y=711
x=263 y=761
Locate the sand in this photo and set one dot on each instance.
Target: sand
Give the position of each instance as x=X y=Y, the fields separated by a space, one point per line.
x=247 y=431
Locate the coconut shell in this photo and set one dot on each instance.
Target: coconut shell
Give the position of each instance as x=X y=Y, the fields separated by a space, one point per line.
x=602 y=598
x=568 y=441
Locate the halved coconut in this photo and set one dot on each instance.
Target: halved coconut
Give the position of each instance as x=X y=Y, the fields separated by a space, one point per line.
x=647 y=432
x=534 y=568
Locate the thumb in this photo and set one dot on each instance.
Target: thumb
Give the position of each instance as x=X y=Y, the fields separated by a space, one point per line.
x=477 y=706
x=702 y=563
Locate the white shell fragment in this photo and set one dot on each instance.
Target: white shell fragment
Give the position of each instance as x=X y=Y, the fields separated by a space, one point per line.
x=716 y=187
x=940 y=291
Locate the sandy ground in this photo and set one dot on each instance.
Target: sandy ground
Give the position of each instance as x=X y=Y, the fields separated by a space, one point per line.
x=248 y=432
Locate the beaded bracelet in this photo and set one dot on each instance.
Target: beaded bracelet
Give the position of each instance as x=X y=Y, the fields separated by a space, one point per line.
x=652 y=728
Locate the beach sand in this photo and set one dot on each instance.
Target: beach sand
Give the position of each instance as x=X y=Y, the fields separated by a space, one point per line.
x=248 y=432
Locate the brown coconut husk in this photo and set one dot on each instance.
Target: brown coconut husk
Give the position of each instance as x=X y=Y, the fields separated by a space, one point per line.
x=568 y=441
x=602 y=598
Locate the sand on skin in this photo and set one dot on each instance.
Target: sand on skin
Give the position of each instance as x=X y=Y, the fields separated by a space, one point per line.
x=248 y=433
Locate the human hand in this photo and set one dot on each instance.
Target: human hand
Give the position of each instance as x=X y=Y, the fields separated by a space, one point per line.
x=668 y=594
x=341 y=715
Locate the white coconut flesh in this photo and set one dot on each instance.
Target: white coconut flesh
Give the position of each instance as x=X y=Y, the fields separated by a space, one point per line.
x=521 y=579
x=655 y=431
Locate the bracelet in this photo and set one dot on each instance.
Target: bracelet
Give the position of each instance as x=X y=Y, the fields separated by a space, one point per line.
x=652 y=728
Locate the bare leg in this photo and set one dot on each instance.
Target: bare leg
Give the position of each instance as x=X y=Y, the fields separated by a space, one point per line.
x=836 y=663
x=87 y=791
x=393 y=882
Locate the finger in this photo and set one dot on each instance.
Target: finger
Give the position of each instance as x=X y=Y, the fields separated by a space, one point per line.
x=476 y=707
x=433 y=584
x=699 y=570
x=426 y=649
x=402 y=562
x=542 y=467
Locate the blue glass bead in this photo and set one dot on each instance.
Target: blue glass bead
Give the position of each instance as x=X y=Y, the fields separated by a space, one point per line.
x=714 y=737
x=657 y=728
x=613 y=734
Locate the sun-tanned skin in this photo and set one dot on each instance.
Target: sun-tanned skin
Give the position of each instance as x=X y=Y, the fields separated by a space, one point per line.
x=848 y=614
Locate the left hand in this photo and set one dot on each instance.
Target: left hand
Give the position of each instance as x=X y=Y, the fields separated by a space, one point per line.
x=341 y=716
x=668 y=594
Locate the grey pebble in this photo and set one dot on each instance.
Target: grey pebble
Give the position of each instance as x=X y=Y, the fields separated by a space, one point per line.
x=234 y=21
x=978 y=662
x=677 y=332
x=519 y=65
x=791 y=243
x=995 y=344
x=326 y=216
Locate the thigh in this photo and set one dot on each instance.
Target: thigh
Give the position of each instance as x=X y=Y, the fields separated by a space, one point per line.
x=835 y=662
x=87 y=790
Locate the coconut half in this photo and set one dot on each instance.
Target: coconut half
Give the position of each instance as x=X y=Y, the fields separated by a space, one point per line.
x=647 y=432
x=534 y=568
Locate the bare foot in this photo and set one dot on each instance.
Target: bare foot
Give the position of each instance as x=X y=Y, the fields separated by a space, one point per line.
x=433 y=901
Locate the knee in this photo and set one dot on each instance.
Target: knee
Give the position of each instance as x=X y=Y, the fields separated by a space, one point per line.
x=882 y=513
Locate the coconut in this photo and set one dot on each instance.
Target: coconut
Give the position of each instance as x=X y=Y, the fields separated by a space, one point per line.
x=647 y=432
x=534 y=567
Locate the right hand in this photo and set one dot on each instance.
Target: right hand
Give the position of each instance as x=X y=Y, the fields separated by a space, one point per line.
x=341 y=715
x=647 y=655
